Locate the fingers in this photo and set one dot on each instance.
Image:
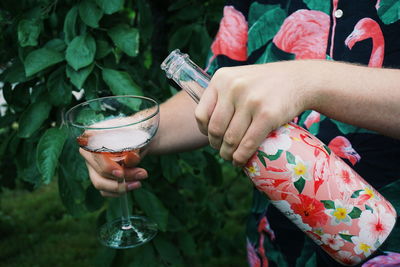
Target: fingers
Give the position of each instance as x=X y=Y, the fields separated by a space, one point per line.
x=219 y=122
x=113 y=188
x=105 y=173
x=205 y=108
x=254 y=136
x=234 y=134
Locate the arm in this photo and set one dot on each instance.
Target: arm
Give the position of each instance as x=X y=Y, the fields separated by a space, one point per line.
x=178 y=130
x=243 y=104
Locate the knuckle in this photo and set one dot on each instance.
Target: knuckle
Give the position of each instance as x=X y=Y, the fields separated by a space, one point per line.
x=230 y=140
x=215 y=131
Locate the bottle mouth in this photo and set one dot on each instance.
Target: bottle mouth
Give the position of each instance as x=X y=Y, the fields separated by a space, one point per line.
x=173 y=62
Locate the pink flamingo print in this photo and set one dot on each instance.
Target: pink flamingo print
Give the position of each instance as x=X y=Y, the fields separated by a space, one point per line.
x=342 y=147
x=231 y=39
x=313 y=117
x=305 y=34
x=364 y=29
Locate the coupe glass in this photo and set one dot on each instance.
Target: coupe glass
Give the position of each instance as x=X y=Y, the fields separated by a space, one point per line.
x=118 y=128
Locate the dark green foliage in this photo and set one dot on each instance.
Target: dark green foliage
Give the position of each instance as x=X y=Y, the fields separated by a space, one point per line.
x=50 y=50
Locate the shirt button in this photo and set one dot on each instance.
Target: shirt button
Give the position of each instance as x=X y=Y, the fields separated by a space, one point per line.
x=338 y=13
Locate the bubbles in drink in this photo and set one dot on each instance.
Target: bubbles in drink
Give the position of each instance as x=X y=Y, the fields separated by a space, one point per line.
x=113 y=140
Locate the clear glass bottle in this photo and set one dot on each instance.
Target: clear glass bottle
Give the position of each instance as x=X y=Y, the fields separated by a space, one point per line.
x=307 y=182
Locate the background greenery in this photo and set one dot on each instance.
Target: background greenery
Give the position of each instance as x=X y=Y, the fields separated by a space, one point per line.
x=50 y=51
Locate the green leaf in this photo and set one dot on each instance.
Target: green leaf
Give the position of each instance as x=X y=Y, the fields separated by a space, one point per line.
x=346 y=237
x=71 y=192
x=80 y=52
x=369 y=208
x=328 y=204
x=90 y=13
x=265 y=28
x=33 y=117
x=170 y=168
x=355 y=213
x=28 y=32
x=110 y=6
x=327 y=149
x=168 y=251
x=273 y=53
x=389 y=11
x=120 y=82
x=48 y=151
x=103 y=48
x=56 y=45
x=274 y=157
x=15 y=73
x=291 y=159
x=79 y=77
x=125 y=38
x=356 y=193
x=146 y=25
x=324 y=6
x=347 y=128
x=25 y=161
x=260 y=156
x=60 y=91
x=180 y=37
x=153 y=207
x=299 y=184
x=40 y=59
x=70 y=24
x=93 y=199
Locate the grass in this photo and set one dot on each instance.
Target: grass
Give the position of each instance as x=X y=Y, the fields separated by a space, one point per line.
x=35 y=230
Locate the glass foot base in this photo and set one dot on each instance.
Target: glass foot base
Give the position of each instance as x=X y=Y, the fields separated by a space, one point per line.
x=115 y=235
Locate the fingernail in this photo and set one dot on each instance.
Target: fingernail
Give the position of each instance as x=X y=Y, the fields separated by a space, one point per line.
x=132 y=185
x=117 y=173
x=141 y=175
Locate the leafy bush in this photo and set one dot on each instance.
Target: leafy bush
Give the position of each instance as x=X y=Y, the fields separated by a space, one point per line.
x=56 y=53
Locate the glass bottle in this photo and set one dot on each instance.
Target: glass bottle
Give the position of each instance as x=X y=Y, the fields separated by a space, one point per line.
x=307 y=182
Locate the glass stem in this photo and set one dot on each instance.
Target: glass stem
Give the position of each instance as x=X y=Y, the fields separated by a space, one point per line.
x=126 y=222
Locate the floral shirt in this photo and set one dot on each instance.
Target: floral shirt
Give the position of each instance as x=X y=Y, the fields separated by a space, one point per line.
x=365 y=32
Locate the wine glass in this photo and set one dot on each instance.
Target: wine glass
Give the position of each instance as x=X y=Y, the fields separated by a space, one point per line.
x=119 y=128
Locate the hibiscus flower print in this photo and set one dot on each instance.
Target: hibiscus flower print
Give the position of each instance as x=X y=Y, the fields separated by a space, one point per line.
x=278 y=139
x=299 y=169
x=347 y=257
x=345 y=175
x=376 y=226
x=311 y=210
x=285 y=208
x=335 y=242
x=363 y=245
x=253 y=170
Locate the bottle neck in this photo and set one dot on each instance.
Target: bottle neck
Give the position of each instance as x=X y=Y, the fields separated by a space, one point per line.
x=186 y=74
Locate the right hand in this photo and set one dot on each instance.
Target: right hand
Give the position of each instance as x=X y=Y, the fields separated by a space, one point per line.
x=105 y=173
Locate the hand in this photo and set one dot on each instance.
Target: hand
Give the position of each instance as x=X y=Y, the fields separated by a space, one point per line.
x=243 y=104
x=105 y=173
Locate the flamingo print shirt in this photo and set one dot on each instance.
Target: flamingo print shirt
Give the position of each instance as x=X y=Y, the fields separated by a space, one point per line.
x=358 y=31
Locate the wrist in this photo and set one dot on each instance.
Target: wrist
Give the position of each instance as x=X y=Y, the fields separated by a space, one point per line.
x=316 y=82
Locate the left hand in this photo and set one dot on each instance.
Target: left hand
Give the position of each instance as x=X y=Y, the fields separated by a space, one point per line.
x=243 y=104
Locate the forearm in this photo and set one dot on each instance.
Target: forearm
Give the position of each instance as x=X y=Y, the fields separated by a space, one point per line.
x=178 y=129
x=358 y=95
